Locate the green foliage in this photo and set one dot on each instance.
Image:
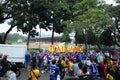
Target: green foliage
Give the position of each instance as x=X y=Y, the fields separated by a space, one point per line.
x=12 y=38
x=114 y=12
x=106 y=38
x=81 y=38
x=62 y=16
x=91 y=37
x=65 y=37
x=33 y=33
x=92 y=18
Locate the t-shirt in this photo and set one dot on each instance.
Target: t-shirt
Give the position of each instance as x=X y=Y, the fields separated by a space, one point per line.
x=27 y=57
x=94 y=69
x=54 y=71
x=76 y=68
x=71 y=66
x=36 y=73
x=11 y=75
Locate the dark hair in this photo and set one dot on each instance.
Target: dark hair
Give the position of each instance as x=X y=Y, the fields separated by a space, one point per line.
x=59 y=61
x=85 y=69
x=33 y=65
x=80 y=65
x=105 y=60
x=77 y=61
x=53 y=61
x=95 y=60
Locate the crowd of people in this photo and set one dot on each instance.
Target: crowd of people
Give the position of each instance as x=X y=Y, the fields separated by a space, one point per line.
x=59 y=65
x=93 y=63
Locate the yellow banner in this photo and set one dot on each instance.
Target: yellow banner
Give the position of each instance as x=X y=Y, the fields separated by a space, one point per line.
x=69 y=49
x=60 y=49
x=53 y=48
x=81 y=49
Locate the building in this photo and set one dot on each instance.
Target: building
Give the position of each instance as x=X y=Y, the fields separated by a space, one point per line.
x=43 y=42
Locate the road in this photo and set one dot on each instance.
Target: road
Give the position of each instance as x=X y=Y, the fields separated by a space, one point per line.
x=24 y=75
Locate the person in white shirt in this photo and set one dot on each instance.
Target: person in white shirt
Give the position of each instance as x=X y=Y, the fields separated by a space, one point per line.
x=88 y=62
x=11 y=75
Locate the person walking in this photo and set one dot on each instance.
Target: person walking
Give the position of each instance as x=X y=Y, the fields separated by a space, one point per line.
x=76 y=68
x=34 y=73
x=27 y=60
x=54 y=71
x=80 y=71
x=10 y=74
x=94 y=68
x=4 y=64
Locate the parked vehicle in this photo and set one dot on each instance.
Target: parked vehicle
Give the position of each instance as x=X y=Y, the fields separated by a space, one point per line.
x=16 y=53
x=14 y=68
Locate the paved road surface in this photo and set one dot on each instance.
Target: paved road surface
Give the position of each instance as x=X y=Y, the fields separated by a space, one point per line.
x=24 y=75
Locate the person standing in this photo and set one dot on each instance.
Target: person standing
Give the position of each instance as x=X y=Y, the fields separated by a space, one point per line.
x=103 y=65
x=94 y=68
x=10 y=74
x=61 y=68
x=76 y=68
x=34 y=73
x=4 y=64
x=54 y=70
x=80 y=71
x=27 y=60
x=100 y=57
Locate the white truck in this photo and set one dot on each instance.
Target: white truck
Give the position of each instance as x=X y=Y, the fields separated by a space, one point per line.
x=16 y=53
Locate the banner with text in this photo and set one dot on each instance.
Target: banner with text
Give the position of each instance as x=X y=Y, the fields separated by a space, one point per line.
x=53 y=48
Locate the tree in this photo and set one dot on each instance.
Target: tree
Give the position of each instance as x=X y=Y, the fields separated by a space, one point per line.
x=114 y=12
x=13 y=38
x=5 y=14
x=65 y=38
x=106 y=37
x=88 y=15
x=59 y=11
x=30 y=13
x=91 y=37
x=4 y=11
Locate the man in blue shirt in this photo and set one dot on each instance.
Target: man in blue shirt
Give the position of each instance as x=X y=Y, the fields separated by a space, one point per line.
x=27 y=60
x=54 y=70
x=76 y=68
x=94 y=68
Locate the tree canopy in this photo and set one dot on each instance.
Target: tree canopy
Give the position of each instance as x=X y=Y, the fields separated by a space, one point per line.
x=89 y=19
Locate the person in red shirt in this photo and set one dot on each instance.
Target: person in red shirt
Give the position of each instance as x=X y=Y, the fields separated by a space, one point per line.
x=103 y=65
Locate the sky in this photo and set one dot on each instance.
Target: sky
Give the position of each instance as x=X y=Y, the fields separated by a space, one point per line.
x=4 y=27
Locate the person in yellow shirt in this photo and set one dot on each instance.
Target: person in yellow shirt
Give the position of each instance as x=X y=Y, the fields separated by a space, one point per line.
x=71 y=67
x=111 y=65
x=34 y=73
x=63 y=62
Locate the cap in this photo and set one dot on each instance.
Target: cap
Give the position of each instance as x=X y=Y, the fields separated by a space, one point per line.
x=5 y=56
x=72 y=59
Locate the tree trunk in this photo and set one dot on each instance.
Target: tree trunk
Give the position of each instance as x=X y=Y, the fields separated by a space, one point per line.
x=28 y=40
x=1 y=41
x=76 y=38
x=98 y=45
x=8 y=31
x=52 y=40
